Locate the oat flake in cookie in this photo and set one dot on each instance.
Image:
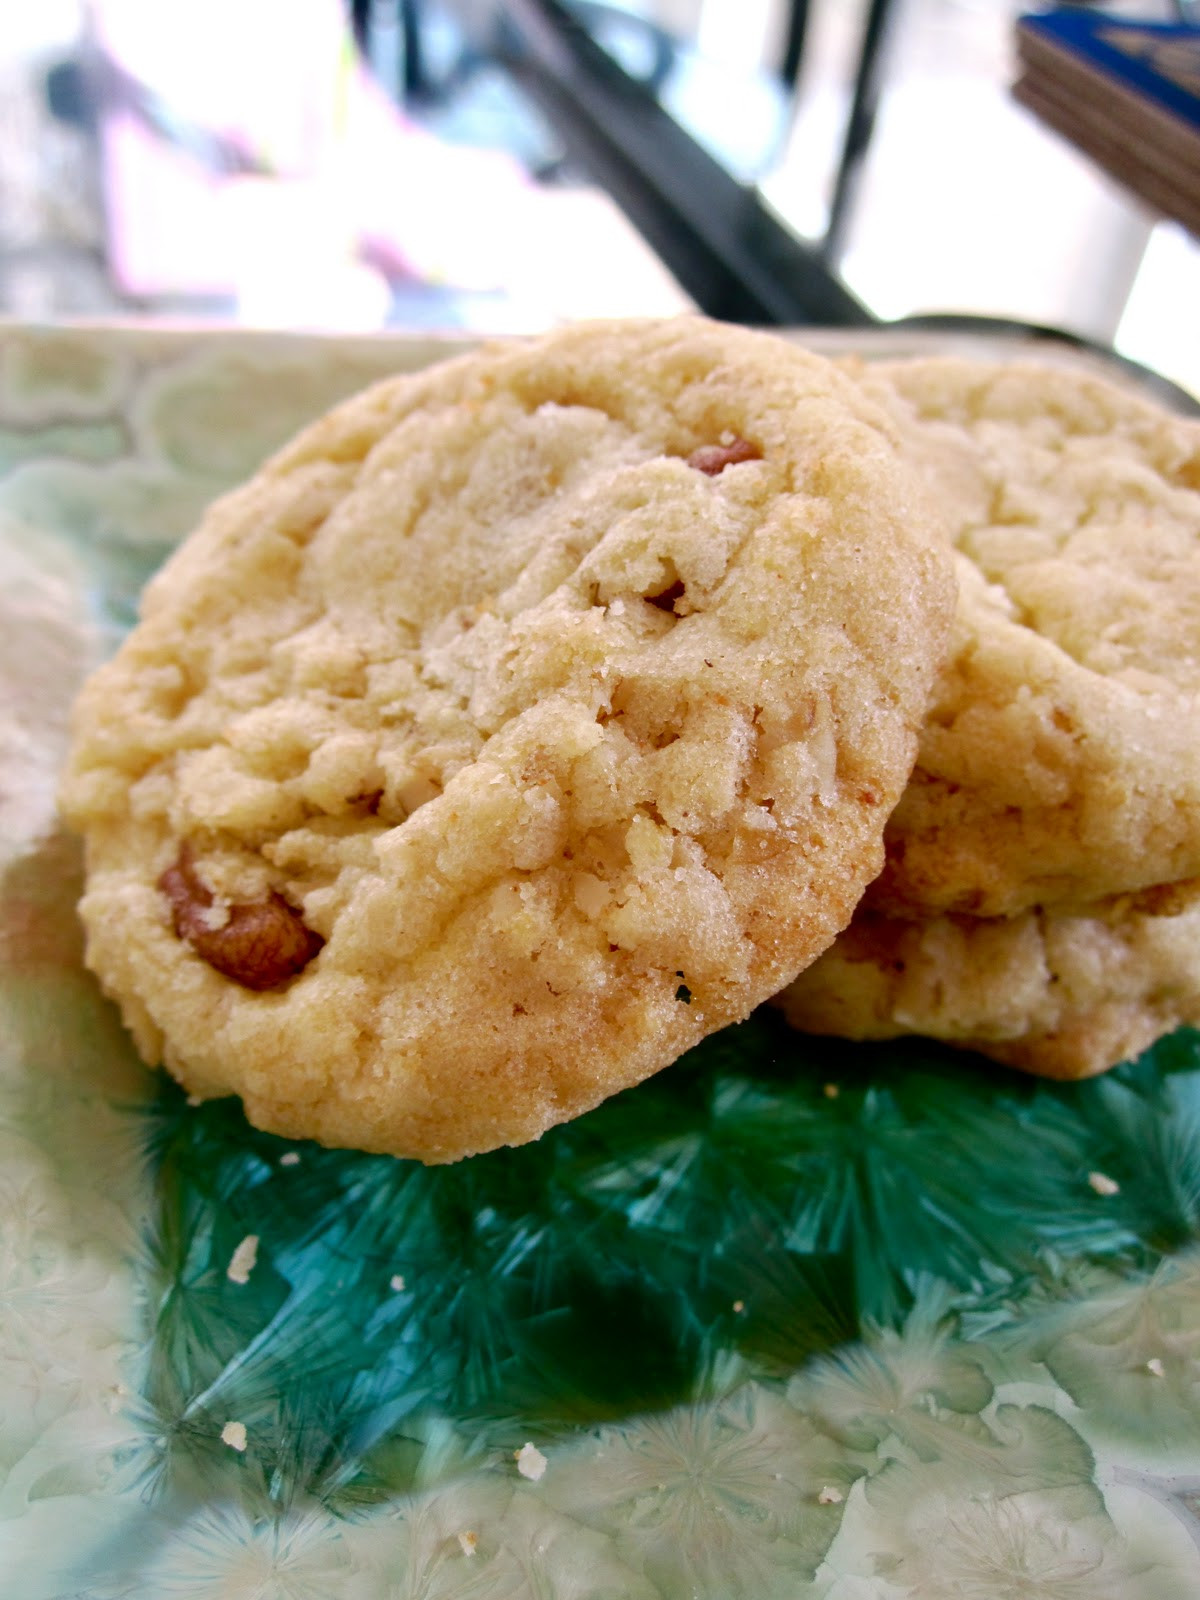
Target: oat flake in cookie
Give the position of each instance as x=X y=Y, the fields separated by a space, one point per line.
x=519 y=724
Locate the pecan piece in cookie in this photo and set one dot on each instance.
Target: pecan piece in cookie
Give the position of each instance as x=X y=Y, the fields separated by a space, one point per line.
x=665 y=600
x=712 y=459
x=259 y=945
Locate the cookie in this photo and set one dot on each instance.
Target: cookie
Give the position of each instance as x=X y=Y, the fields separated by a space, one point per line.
x=1060 y=762
x=1061 y=995
x=518 y=725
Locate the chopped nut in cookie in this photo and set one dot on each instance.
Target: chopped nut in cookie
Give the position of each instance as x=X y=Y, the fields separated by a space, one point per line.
x=260 y=945
x=712 y=459
x=666 y=600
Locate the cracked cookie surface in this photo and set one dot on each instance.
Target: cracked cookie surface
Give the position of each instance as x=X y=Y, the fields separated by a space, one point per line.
x=520 y=723
x=1063 y=995
x=1060 y=762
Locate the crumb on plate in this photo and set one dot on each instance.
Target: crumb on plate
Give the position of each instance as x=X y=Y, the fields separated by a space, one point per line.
x=531 y=1463
x=234 y=1435
x=243 y=1260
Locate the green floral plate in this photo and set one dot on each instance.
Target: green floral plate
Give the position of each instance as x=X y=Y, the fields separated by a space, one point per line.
x=791 y=1319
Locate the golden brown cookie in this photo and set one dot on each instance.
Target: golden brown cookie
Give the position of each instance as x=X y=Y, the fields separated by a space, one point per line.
x=1062 y=995
x=518 y=725
x=1060 y=762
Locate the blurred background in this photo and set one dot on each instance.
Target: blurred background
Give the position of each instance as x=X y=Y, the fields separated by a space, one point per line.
x=419 y=163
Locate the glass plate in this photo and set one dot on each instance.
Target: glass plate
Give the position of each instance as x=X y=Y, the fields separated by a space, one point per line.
x=792 y=1319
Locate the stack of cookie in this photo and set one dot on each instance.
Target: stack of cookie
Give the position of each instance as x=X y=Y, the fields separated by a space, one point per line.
x=528 y=719
x=1040 y=900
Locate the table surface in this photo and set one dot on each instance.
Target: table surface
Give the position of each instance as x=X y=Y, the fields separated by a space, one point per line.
x=791 y=1319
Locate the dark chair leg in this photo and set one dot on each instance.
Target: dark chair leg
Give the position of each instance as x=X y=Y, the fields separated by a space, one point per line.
x=860 y=125
x=415 y=83
x=793 y=42
x=69 y=96
x=360 y=22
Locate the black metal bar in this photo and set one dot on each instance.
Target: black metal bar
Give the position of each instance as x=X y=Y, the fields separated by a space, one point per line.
x=414 y=84
x=868 y=84
x=793 y=42
x=360 y=23
x=727 y=250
